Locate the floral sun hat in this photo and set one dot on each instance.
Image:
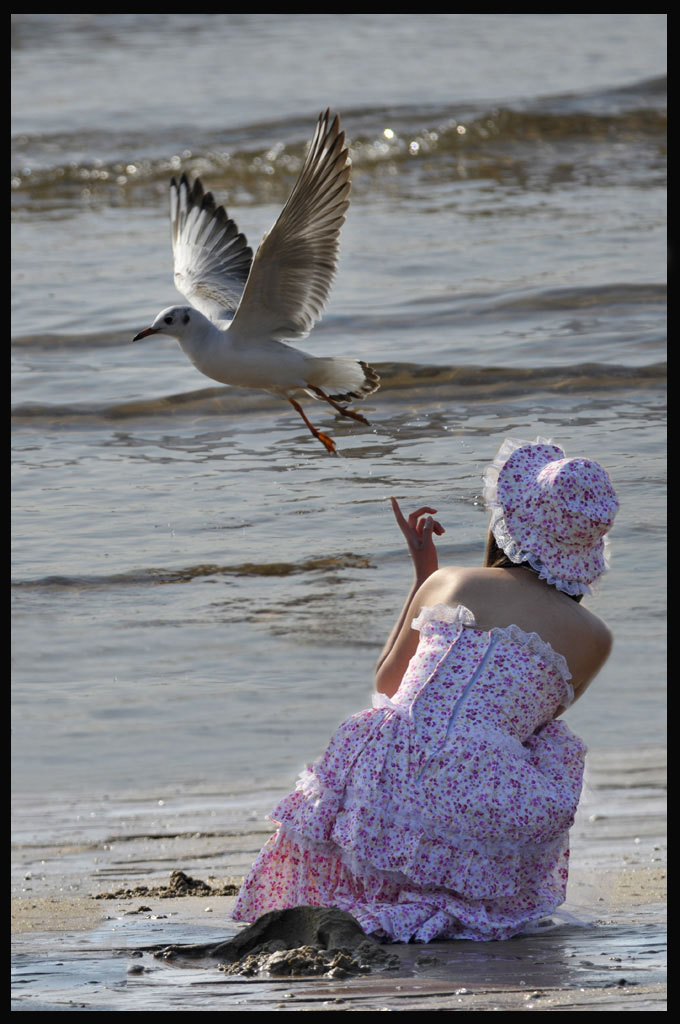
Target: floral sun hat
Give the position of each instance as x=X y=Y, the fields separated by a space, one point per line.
x=551 y=511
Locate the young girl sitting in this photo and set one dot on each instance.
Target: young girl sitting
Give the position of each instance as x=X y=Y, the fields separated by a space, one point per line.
x=444 y=811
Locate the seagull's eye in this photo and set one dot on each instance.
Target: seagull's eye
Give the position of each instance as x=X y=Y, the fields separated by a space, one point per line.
x=168 y=319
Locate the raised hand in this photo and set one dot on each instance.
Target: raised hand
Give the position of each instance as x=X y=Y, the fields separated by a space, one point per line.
x=419 y=530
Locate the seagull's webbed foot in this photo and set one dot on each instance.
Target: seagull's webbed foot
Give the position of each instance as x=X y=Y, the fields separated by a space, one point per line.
x=326 y=441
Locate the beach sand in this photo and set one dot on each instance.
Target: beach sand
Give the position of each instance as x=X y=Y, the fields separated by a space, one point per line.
x=73 y=949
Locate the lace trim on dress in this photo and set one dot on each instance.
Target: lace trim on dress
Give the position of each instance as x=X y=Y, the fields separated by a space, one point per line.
x=450 y=614
x=353 y=800
x=535 y=643
x=538 y=646
x=308 y=784
x=504 y=539
x=382 y=702
x=327 y=847
x=430 y=909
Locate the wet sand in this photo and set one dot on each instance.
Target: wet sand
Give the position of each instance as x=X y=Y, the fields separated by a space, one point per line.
x=73 y=949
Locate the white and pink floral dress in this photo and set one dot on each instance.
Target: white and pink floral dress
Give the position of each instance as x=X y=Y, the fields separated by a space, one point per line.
x=443 y=813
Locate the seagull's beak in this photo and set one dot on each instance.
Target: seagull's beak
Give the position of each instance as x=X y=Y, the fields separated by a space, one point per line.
x=146 y=333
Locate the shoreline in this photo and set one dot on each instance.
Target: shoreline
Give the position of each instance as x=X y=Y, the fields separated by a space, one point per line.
x=74 y=951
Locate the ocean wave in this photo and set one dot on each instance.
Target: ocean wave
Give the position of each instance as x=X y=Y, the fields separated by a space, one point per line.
x=400 y=382
x=186 y=574
x=60 y=168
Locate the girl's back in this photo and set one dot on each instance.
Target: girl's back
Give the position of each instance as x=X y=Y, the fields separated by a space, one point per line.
x=505 y=597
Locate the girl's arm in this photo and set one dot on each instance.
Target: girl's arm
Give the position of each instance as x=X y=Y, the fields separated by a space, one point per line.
x=419 y=530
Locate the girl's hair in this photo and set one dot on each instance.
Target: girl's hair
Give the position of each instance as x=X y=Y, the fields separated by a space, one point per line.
x=496 y=558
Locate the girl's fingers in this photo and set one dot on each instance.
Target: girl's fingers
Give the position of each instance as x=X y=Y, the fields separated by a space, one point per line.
x=398 y=515
x=415 y=522
x=431 y=525
x=421 y=512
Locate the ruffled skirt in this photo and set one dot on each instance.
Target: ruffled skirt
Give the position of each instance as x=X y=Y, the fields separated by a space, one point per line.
x=470 y=843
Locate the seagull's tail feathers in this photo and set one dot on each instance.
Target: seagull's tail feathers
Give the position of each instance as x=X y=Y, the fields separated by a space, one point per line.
x=343 y=379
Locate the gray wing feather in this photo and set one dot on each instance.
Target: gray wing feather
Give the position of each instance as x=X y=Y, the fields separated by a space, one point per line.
x=212 y=259
x=294 y=266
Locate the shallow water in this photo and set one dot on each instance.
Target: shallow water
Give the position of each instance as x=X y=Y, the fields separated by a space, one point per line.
x=540 y=971
x=199 y=591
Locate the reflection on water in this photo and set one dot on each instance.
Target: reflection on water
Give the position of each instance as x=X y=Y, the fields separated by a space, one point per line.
x=110 y=971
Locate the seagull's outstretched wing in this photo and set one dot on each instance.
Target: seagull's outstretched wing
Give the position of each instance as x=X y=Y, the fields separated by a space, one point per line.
x=293 y=268
x=212 y=259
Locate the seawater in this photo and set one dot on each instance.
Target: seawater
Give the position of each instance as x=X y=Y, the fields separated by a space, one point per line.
x=199 y=591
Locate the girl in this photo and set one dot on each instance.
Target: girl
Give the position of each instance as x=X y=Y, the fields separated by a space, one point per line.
x=444 y=811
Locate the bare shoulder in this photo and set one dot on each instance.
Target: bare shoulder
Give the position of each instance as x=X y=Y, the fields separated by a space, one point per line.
x=596 y=643
x=602 y=636
x=504 y=597
x=451 y=584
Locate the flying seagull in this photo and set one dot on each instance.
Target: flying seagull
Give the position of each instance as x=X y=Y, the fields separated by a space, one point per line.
x=244 y=309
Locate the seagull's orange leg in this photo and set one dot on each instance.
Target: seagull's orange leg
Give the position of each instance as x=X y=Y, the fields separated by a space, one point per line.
x=342 y=409
x=326 y=441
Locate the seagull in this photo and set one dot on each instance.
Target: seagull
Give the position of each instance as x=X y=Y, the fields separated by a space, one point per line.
x=243 y=309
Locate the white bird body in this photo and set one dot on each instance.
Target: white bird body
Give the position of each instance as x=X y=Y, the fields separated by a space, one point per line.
x=241 y=308
x=218 y=352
